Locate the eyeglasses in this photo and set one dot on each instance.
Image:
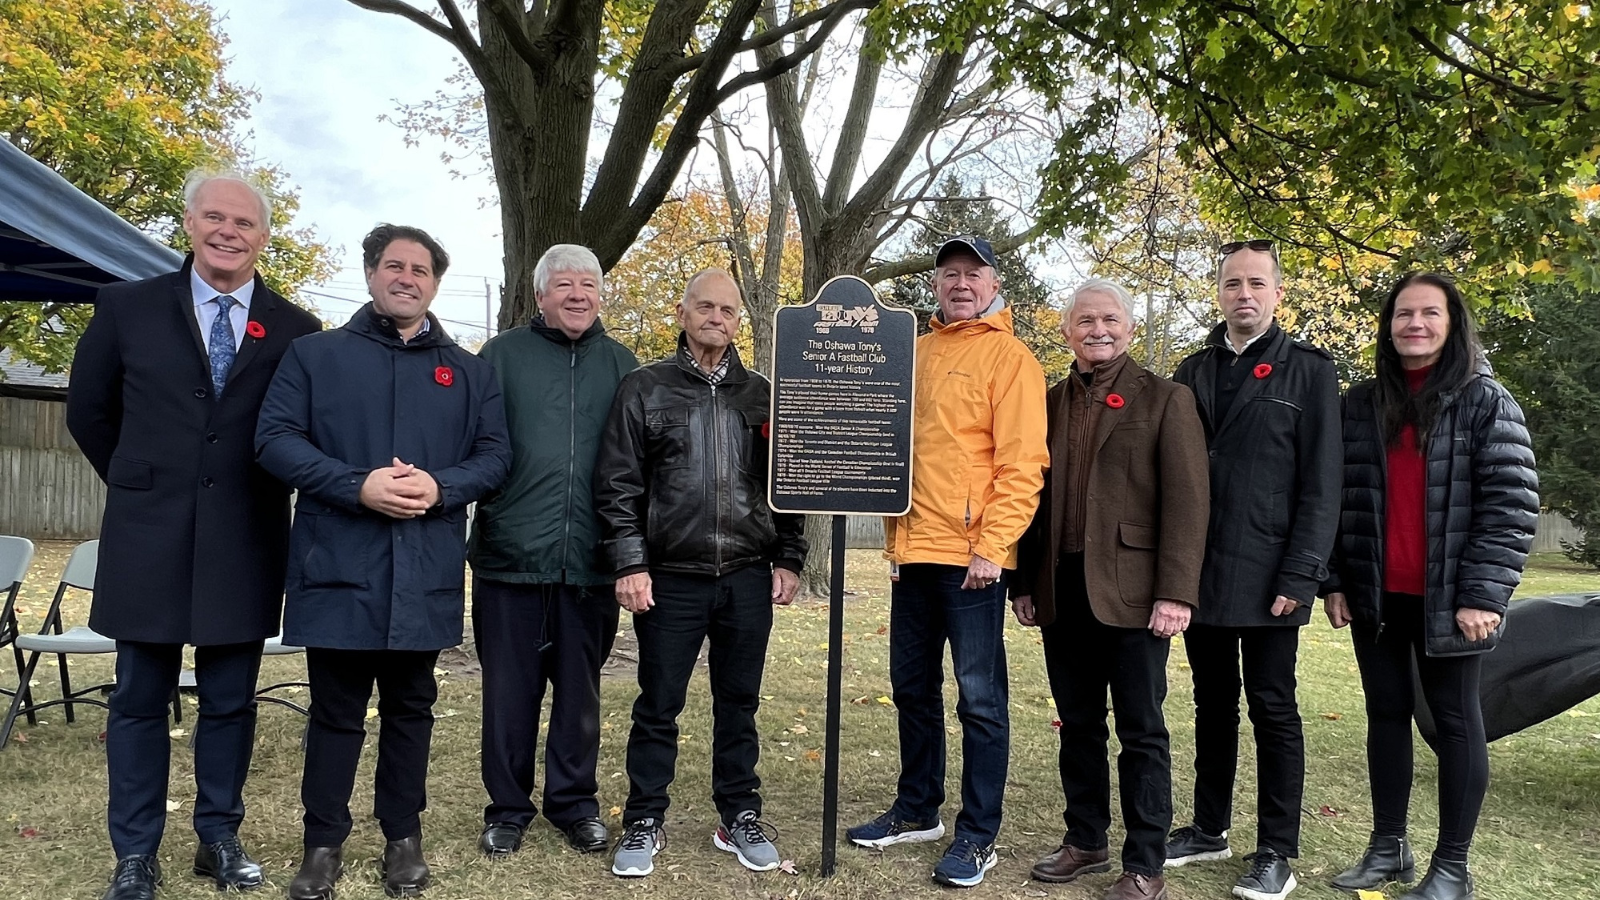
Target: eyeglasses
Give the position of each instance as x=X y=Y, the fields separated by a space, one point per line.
x=1260 y=245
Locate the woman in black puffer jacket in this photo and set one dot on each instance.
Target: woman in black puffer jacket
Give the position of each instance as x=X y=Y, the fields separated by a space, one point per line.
x=1440 y=503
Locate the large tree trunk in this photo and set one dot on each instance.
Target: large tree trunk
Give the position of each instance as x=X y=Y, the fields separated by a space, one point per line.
x=538 y=144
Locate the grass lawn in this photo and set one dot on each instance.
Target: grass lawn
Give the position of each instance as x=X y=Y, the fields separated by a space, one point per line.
x=1539 y=836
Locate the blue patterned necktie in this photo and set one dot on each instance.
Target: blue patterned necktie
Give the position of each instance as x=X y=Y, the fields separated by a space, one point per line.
x=222 y=347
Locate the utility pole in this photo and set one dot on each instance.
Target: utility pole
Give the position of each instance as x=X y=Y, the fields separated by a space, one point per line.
x=488 y=311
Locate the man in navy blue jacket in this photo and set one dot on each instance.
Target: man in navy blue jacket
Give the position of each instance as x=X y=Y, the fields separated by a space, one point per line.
x=389 y=431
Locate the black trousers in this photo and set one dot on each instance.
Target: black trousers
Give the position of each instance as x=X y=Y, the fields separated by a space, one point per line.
x=1450 y=686
x=527 y=636
x=735 y=611
x=341 y=685
x=139 y=746
x=1083 y=658
x=1267 y=655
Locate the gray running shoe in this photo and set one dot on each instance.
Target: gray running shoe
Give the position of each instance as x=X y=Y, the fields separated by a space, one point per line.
x=747 y=839
x=636 y=852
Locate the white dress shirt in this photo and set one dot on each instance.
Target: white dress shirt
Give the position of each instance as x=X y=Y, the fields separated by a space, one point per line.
x=205 y=307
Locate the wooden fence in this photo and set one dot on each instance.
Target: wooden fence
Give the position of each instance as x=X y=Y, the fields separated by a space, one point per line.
x=47 y=489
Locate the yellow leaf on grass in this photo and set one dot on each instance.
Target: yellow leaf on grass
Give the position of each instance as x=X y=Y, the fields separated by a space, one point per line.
x=1369 y=895
x=372 y=712
x=885 y=701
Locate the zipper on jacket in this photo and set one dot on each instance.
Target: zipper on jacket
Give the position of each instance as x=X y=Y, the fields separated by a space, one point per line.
x=572 y=449
x=1383 y=467
x=716 y=460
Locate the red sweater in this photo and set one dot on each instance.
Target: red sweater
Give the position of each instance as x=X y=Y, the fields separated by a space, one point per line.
x=1405 y=516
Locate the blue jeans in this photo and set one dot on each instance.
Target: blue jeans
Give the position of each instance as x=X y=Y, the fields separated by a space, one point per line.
x=927 y=608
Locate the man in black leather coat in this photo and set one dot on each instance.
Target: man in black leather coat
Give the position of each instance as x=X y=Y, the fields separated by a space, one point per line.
x=680 y=488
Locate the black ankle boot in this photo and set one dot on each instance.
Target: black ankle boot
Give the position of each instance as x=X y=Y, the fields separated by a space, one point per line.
x=1446 y=880
x=1387 y=859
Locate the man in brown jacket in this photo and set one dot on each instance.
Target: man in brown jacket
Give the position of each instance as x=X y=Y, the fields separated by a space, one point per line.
x=1110 y=571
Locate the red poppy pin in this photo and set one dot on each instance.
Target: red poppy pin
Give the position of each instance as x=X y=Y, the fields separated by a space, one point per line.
x=1263 y=370
x=444 y=376
x=255 y=330
x=1115 y=401
x=766 y=430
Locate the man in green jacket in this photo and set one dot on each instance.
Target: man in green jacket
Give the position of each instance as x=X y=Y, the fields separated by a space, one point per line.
x=542 y=609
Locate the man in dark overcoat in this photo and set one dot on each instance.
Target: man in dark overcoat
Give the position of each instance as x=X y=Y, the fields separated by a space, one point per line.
x=1110 y=572
x=388 y=430
x=166 y=383
x=1270 y=406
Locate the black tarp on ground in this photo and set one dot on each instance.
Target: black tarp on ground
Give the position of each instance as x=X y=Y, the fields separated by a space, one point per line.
x=1547 y=662
x=58 y=245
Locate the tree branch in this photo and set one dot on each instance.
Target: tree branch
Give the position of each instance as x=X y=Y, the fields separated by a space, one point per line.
x=772 y=36
x=513 y=26
x=914 y=265
x=410 y=13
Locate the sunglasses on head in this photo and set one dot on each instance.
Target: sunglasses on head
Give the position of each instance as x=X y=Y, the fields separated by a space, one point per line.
x=1260 y=245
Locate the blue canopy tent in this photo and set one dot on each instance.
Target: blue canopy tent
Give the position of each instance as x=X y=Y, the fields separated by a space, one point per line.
x=58 y=245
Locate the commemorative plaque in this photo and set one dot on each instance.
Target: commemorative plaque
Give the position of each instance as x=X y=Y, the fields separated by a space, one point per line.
x=841 y=404
x=842 y=397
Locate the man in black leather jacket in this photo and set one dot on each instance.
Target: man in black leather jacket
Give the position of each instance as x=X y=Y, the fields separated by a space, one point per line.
x=680 y=488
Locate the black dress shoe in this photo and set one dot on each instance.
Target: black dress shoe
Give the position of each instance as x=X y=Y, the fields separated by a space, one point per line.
x=321 y=867
x=1387 y=859
x=135 y=878
x=405 y=873
x=1446 y=880
x=226 y=863
x=587 y=835
x=500 y=839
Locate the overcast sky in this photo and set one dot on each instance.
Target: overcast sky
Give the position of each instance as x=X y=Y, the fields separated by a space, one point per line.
x=325 y=72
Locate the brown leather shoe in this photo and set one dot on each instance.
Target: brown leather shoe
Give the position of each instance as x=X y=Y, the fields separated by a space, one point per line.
x=321 y=867
x=1068 y=862
x=1133 y=886
x=405 y=872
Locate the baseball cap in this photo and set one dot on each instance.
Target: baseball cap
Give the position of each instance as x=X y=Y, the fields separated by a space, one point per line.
x=970 y=242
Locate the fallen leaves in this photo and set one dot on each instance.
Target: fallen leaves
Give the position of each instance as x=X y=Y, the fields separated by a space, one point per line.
x=1369 y=895
x=787 y=867
x=1328 y=811
x=1333 y=717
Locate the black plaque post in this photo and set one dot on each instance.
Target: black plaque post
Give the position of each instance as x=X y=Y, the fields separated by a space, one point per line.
x=830 y=750
x=841 y=445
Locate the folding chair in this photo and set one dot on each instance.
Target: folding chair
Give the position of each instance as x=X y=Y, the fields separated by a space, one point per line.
x=52 y=638
x=274 y=646
x=15 y=555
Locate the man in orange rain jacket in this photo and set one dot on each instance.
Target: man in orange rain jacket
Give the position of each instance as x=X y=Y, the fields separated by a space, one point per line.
x=978 y=463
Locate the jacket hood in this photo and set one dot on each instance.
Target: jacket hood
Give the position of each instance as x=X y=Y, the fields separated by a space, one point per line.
x=995 y=321
x=375 y=326
x=551 y=333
